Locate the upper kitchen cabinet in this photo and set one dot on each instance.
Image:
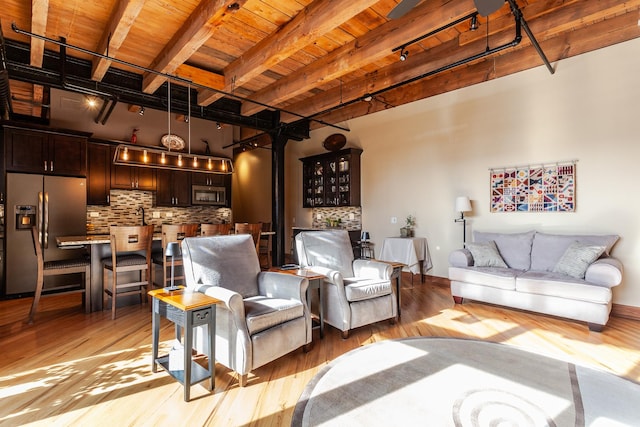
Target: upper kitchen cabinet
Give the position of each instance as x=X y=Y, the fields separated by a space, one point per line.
x=331 y=179
x=98 y=173
x=132 y=177
x=173 y=188
x=48 y=152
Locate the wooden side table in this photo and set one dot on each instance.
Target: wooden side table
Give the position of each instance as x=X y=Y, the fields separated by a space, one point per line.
x=185 y=309
x=315 y=281
x=397 y=275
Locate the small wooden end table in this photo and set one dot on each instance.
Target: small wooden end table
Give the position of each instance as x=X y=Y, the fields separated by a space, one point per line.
x=185 y=309
x=396 y=274
x=315 y=281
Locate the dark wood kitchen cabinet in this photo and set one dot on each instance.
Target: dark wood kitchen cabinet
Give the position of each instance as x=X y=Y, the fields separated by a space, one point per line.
x=132 y=177
x=331 y=179
x=47 y=152
x=99 y=158
x=173 y=188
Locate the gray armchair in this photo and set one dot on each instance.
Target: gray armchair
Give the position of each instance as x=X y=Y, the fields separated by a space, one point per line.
x=355 y=293
x=263 y=315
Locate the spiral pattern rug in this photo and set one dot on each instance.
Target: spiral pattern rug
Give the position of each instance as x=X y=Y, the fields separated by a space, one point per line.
x=458 y=382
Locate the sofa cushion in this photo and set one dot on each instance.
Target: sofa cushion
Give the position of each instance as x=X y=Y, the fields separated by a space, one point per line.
x=263 y=313
x=485 y=254
x=515 y=248
x=359 y=289
x=547 y=249
x=577 y=258
x=495 y=277
x=562 y=286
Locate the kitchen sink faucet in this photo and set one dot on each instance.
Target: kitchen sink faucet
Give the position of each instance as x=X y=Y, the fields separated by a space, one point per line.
x=141 y=209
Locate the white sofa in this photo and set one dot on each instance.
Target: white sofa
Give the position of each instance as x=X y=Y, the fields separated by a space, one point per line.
x=569 y=276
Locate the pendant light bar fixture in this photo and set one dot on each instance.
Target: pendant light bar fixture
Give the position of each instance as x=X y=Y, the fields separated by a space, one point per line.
x=148 y=157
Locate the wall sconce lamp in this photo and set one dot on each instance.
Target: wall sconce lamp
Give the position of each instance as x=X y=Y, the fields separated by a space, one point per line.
x=463 y=204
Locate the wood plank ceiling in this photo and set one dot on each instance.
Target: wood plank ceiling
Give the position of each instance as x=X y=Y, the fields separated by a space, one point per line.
x=309 y=58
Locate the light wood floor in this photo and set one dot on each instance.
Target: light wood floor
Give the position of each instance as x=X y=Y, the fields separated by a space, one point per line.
x=75 y=369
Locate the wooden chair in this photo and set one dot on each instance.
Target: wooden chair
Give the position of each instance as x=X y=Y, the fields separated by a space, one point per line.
x=253 y=229
x=171 y=233
x=215 y=229
x=264 y=251
x=126 y=244
x=55 y=268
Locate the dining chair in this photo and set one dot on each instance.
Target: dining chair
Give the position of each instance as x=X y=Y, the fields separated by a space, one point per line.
x=130 y=252
x=55 y=268
x=264 y=251
x=250 y=228
x=215 y=229
x=171 y=233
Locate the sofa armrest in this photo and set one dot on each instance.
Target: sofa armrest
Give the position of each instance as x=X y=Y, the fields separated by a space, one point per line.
x=605 y=271
x=460 y=258
x=372 y=269
x=281 y=285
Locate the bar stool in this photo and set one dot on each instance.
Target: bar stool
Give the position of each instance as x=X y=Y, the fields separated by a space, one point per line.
x=254 y=229
x=171 y=233
x=215 y=229
x=366 y=246
x=55 y=268
x=264 y=251
x=126 y=243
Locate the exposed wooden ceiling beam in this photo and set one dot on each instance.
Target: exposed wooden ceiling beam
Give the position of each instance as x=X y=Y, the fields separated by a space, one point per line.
x=196 y=30
x=122 y=18
x=39 y=15
x=374 y=45
x=311 y=23
x=602 y=33
x=200 y=76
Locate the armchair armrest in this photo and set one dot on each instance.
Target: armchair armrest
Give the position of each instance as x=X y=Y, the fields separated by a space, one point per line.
x=372 y=269
x=331 y=276
x=605 y=271
x=281 y=285
x=460 y=258
x=231 y=302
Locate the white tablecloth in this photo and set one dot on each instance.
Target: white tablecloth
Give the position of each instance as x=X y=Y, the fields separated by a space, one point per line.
x=409 y=251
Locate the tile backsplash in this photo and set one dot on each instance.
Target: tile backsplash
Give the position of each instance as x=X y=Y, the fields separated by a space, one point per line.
x=125 y=203
x=321 y=216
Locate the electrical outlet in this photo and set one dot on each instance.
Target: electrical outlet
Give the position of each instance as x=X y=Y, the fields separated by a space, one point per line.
x=156 y=215
x=394 y=220
x=168 y=215
x=94 y=214
x=352 y=216
x=318 y=216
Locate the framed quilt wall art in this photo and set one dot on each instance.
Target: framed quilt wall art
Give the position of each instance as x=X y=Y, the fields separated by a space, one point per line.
x=534 y=188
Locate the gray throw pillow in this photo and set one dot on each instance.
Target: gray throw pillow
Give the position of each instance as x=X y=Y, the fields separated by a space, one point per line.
x=577 y=258
x=485 y=254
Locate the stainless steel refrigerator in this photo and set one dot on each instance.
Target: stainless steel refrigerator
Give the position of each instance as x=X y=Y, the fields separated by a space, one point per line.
x=57 y=206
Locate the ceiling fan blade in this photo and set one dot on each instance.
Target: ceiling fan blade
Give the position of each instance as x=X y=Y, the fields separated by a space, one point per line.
x=487 y=7
x=402 y=8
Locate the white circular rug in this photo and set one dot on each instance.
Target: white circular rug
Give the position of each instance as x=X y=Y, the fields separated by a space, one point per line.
x=458 y=382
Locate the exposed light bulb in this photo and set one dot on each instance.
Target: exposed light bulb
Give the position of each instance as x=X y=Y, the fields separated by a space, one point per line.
x=210 y=165
x=125 y=154
x=163 y=159
x=145 y=158
x=179 y=159
x=195 y=162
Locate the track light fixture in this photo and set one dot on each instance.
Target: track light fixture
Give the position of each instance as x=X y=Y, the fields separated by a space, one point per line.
x=186 y=118
x=367 y=97
x=403 y=55
x=218 y=125
x=141 y=112
x=474 y=23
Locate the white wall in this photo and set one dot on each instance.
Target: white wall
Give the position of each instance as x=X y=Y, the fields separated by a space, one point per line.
x=418 y=157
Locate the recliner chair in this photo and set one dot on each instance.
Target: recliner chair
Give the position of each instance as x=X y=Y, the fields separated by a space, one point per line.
x=356 y=292
x=263 y=315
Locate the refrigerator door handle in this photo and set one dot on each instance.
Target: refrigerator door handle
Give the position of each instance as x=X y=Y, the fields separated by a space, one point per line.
x=40 y=215
x=46 y=220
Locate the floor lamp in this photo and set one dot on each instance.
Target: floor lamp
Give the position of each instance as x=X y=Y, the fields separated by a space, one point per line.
x=463 y=204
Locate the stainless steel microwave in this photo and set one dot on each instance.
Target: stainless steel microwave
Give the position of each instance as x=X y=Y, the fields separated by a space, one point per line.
x=205 y=195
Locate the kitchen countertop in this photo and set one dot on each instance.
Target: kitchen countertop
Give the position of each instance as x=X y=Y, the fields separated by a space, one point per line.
x=97 y=239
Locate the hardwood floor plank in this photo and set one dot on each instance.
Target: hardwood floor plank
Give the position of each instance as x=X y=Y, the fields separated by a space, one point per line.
x=75 y=369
